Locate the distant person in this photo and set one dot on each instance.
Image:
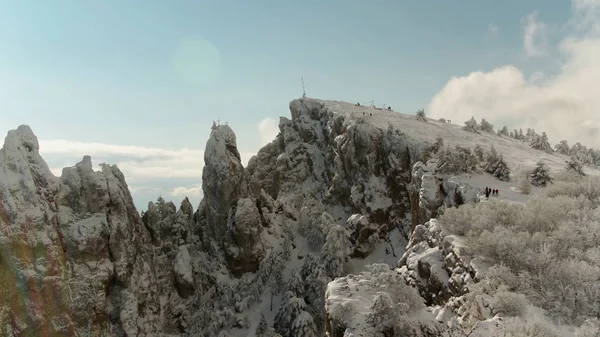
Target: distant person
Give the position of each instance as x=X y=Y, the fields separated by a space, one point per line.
x=487 y=192
x=497 y=192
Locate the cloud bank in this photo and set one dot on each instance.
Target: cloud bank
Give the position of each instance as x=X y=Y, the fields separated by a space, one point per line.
x=150 y=172
x=565 y=105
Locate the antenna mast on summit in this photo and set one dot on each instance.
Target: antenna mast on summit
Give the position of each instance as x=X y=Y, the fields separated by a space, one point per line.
x=303 y=88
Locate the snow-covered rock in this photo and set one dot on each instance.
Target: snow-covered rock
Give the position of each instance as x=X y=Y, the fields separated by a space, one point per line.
x=377 y=303
x=433 y=264
x=231 y=218
x=346 y=164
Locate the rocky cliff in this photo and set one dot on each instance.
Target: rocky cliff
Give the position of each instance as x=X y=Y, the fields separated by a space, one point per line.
x=78 y=259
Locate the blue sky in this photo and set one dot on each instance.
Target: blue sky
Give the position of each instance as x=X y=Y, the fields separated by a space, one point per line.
x=155 y=74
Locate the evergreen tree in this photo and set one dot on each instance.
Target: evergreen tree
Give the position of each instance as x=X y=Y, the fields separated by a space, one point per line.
x=421 y=115
x=562 y=147
x=289 y=310
x=496 y=166
x=336 y=250
x=540 y=143
x=540 y=176
x=304 y=326
x=262 y=329
x=504 y=131
x=486 y=126
x=471 y=125
x=574 y=166
x=295 y=284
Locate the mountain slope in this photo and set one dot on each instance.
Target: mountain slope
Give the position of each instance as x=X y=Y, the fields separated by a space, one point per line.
x=335 y=190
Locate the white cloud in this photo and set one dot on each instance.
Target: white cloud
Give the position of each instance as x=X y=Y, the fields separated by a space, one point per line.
x=534 y=36
x=268 y=129
x=566 y=105
x=493 y=28
x=194 y=191
x=149 y=172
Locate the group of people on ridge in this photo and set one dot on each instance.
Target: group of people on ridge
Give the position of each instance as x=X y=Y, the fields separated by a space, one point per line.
x=491 y=191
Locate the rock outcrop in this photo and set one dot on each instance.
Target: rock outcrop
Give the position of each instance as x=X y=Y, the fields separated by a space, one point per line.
x=79 y=260
x=345 y=164
x=231 y=216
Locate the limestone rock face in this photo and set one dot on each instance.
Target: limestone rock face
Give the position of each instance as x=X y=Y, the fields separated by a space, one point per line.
x=338 y=163
x=231 y=216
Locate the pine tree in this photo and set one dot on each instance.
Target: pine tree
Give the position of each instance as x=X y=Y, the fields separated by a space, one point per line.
x=471 y=125
x=496 y=166
x=289 y=310
x=421 y=115
x=262 y=329
x=504 y=131
x=336 y=250
x=574 y=166
x=304 y=326
x=540 y=176
x=295 y=284
x=540 y=143
x=562 y=147
x=486 y=126
x=271 y=273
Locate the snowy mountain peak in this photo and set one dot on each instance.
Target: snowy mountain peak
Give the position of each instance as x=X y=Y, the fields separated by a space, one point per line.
x=24 y=137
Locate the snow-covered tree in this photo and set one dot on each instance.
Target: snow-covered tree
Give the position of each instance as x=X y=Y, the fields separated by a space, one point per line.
x=316 y=227
x=443 y=120
x=304 y=326
x=336 y=251
x=503 y=131
x=486 y=126
x=540 y=175
x=459 y=159
x=471 y=125
x=271 y=273
x=431 y=150
x=421 y=115
x=289 y=310
x=315 y=285
x=497 y=167
x=262 y=329
x=478 y=152
x=562 y=147
x=295 y=284
x=574 y=166
x=537 y=142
